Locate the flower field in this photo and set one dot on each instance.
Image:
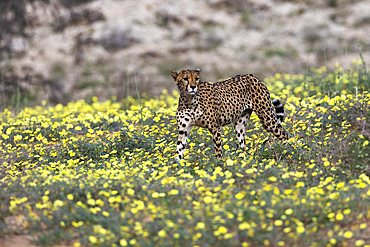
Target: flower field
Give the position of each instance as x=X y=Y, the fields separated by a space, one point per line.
x=105 y=174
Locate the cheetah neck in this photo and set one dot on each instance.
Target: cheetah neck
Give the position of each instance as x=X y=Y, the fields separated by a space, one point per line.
x=188 y=99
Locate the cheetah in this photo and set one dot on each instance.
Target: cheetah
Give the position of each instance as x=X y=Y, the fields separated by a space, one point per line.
x=213 y=106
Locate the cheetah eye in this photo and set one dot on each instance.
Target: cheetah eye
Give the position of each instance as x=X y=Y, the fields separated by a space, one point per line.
x=197 y=79
x=185 y=79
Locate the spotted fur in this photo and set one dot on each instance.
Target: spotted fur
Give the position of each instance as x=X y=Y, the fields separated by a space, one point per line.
x=215 y=105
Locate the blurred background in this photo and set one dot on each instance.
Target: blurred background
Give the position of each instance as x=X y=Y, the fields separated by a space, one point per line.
x=63 y=50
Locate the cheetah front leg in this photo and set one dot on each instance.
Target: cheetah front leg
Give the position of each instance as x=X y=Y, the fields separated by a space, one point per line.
x=184 y=131
x=216 y=133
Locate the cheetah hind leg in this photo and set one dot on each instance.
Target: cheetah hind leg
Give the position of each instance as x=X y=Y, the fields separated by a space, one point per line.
x=270 y=122
x=216 y=134
x=240 y=126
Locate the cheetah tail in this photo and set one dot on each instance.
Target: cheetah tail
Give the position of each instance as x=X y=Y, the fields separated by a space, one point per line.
x=279 y=109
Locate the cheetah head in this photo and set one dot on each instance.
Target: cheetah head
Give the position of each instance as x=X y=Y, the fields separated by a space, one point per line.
x=187 y=80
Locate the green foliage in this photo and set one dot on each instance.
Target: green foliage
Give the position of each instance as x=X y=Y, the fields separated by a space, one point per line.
x=104 y=173
x=319 y=82
x=246 y=17
x=281 y=53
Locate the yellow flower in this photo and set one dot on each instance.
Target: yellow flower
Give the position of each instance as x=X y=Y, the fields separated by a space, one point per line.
x=75 y=224
x=162 y=233
x=123 y=242
x=58 y=203
x=348 y=234
x=339 y=216
x=340 y=185
x=229 y=162
x=281 y=243
x=132 y=241
x=200 y=225
x=222 y=229
x=239 y=196
x=140 y=205
x=70 y=197
x=93 y=239
x=359 y=242
x=207 y=199
x=288 y=191
x=91 y=202
x=278 y=222
x=287 y=230
x=347 y=211
x=174 y=192
x=244 y=226
x=289 y=211
x=17 y=138
x=130 y=191
x=300 y=229
x=170 y=223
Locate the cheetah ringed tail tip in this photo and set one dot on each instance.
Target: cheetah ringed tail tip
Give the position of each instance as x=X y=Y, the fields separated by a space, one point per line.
x=279 y=109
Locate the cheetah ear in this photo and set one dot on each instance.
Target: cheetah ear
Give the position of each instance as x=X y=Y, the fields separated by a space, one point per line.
x=174 y=75
x=197 y=71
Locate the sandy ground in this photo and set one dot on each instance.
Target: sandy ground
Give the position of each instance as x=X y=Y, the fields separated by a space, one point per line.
x=21 y=241
x=17 y=241
x=148 y=38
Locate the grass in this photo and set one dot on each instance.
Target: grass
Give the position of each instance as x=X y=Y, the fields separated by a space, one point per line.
x=104 y=174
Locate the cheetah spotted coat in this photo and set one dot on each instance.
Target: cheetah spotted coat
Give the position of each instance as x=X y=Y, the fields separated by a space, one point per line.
x=215 y=105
